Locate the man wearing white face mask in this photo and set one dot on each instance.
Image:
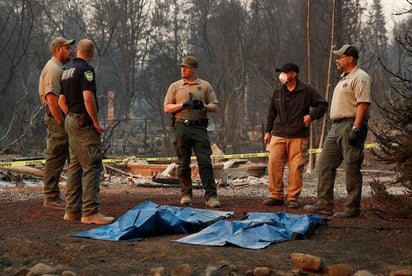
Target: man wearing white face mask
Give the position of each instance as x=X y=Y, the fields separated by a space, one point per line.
x=293 y=107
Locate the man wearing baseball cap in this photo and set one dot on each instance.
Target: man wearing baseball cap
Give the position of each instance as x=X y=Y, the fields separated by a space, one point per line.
x=349 y=113
x=293 y=107
x=57 y=145
x=189 y=100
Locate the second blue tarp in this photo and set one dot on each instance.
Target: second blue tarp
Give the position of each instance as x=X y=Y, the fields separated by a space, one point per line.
x=258 y=231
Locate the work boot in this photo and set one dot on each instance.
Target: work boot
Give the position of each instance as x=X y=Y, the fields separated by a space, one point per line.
x=213 y=202
x=273 y=202
x=98 y=219
x=347 y=214
x=186 y=200
x=72 y=216
x=319 y=209
x=293 y=204
x=57 y=203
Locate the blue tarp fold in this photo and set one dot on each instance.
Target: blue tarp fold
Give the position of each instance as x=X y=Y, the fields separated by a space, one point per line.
x=258 y=231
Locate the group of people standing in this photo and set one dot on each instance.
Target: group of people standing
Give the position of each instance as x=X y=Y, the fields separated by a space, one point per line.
x=294 y=106
x=69 y=98
x=74 y=132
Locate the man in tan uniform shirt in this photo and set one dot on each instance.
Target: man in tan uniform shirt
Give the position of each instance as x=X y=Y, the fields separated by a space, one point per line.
x=57 y=143
x=349 y=113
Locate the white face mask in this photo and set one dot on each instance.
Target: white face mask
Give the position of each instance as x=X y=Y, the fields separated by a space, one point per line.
x=283 y=78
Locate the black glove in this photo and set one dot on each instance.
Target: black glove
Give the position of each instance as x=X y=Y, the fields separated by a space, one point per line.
x=355 y=138
x=189 y=102
x=197 y=105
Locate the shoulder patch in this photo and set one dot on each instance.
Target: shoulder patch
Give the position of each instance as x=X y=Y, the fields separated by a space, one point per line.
x=89 y=75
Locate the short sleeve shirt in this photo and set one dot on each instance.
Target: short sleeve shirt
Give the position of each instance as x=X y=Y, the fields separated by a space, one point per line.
x=351 y=90
x=178 y=93
x=49 y=81
x=80 y=76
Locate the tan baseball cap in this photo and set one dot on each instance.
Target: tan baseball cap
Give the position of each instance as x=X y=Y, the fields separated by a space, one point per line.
x=347 y=50
x=60 y=41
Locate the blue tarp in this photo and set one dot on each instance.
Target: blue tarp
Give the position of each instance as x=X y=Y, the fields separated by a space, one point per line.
x=150 y=219
x=258 y=231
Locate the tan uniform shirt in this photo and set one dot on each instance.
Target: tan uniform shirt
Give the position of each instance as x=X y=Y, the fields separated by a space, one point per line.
x=178 y=92
x=352 y=89
x=50 y=79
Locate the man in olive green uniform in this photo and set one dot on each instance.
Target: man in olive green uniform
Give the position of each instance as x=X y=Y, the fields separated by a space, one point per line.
x=189 y=99
x=57 y=143
x=349 y=113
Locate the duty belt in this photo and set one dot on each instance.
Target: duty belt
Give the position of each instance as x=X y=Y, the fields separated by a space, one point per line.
x=200 y=122
x=343 y=120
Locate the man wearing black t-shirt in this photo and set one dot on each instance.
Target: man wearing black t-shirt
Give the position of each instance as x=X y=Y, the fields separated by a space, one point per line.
x=78 y=102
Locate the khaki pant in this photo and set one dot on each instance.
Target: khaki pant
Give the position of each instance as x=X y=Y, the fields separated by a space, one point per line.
x=284 y=151
x=56 y=155
x=82 y=189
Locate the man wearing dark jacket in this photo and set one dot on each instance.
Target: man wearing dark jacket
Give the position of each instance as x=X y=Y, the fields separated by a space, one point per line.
x=293 y=107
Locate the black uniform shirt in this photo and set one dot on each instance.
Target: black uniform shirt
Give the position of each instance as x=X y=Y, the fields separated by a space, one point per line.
x=78 y=77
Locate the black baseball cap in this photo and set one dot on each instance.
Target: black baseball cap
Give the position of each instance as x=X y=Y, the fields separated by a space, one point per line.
x=288 y=67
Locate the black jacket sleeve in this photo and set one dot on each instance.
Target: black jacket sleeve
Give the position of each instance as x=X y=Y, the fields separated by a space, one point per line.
x=271 y=114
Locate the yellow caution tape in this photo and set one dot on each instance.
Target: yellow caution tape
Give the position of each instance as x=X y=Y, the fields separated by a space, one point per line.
x=134 y=159
x=310 y=151
x=369 y=146
x=22 y=163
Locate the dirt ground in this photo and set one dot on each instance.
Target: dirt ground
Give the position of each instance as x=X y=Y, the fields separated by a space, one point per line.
x=31 y=234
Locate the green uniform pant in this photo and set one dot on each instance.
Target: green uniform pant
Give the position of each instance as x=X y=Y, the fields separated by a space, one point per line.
x=56 y=154
x=336 y=150
x=82 y=189
x=186 y=138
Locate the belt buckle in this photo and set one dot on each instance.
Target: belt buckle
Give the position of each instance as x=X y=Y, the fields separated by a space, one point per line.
x=186 y=122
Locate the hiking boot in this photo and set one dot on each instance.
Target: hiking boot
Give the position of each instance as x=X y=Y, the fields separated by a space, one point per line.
x=319 y=209
x=186 y=200
x=57 y=203
x=347 y=214
x=72 y=216
x=98 y=219
x=213 y=202
x=293 y=204
x=273 y=202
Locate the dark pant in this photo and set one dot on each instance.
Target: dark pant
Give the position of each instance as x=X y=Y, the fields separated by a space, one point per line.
x=85 y=168
x=56 y=155
x=186 y=138
x=335 y=151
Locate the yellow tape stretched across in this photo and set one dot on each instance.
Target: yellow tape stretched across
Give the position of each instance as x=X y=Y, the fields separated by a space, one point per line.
x=131 y=159
x=22 y=163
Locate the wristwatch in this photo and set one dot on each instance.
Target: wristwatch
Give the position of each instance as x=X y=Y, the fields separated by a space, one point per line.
x=355 y=129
